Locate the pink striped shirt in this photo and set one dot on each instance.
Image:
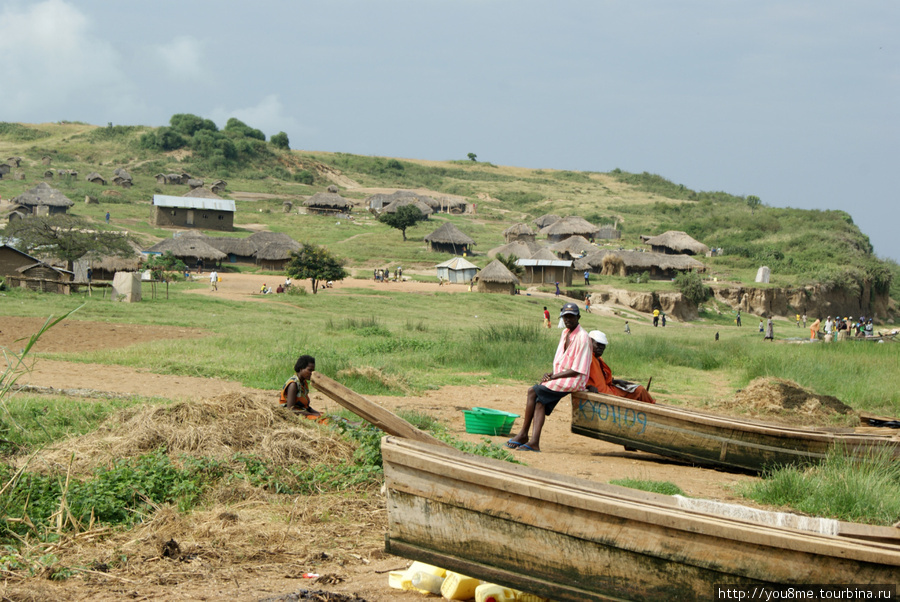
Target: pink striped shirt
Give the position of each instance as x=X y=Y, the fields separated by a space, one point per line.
x=577 y=356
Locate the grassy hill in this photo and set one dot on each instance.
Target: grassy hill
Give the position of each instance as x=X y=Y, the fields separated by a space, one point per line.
x=800 y=246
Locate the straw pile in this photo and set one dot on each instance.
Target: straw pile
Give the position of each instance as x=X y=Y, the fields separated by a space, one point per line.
x=217 y=427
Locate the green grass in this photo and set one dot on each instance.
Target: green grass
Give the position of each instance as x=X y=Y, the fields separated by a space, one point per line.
x=28 y=422
x=842 y=487
x=663 y=487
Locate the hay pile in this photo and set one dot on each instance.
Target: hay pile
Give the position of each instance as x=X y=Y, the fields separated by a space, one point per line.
x=787 y=402
x=217 y=427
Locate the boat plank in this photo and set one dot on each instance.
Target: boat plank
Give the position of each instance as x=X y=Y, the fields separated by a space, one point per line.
x=523 y=522
x=713 y=440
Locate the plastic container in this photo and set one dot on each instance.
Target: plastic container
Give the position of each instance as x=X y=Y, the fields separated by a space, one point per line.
x=427 y=583
x=488 y=592
x=508 y=417
x=459 y=587
x=396 y=579
x=485 y=421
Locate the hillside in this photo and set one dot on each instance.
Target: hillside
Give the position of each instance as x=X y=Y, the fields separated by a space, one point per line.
x=800 y=246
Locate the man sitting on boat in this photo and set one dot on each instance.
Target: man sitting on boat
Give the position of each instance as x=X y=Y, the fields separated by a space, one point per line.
x=571 y=366
x=600 y=379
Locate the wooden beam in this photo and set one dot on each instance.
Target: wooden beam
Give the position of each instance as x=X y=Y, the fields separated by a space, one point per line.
x=384 y=419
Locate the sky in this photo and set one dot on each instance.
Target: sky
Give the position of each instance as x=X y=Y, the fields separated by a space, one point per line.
x=795 y=102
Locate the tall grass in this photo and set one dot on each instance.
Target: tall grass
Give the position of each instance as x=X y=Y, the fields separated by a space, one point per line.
x=844 y=487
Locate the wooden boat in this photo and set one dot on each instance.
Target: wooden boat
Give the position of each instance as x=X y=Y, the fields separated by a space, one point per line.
x=718 y=441
x=574 y=540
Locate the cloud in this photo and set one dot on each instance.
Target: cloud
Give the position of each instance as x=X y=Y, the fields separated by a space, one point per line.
x=269 y=115
x=182 y=57
x=54 y=63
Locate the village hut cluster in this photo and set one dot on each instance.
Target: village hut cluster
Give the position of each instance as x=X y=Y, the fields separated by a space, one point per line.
x=553 y=249
x=549 y=250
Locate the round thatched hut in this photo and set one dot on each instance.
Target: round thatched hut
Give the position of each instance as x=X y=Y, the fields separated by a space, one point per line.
x=449 y=239
x=95 y=178
x=519 y=231
x=238 y=249
x=201 y=193
x=189 y=249
x=518 y=248
x=496 y=278
x=403 y=201
x=546 y=220
x=570 y=226
x=43 y=199
x=326 y=203
x=573 y=247
x=275 y=255
x=676 y=242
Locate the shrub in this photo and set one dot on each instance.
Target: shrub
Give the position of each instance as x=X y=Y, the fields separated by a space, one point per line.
x=691 y=286
x=280 y=140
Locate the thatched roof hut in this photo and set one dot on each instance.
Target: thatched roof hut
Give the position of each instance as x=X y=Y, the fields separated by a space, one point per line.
x=659 y=265
x=546 y=220
x=519 y=231
x=496 y=278
x=43 y=199
x=675 y=242
x=275 y=255
x=123 y=182
x=573 y=247
x=261 y=239
x=543 y=253
x=518 y=248
x=218 y=186
x=449 y=239
x=570 y=226
x=104 y=267
x=403 y=201
x=195 y=183
x=95 y=178
x=189 y=249
x=122 y=173
x=379 y=201
x=328 y=202
x=237 y=249
x=201 y=193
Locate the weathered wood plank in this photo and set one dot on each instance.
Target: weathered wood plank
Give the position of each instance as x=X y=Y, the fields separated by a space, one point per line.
x=706 y=439
x=370 y=411
x=562 y=537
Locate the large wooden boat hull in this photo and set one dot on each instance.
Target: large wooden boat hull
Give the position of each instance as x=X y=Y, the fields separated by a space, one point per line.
x=718 y=441
x=569 y=539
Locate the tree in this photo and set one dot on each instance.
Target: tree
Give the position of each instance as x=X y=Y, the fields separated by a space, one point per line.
x=472 y=156
x=316 y=263
x=510 y=262
x=162 y=267
x=280 y=140
x=189 y=124
x=691 y=287
x=405 y=217
x=753 y=202
x=67 y=238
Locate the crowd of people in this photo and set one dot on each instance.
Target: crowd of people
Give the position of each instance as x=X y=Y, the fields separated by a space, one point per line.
x=385 y=275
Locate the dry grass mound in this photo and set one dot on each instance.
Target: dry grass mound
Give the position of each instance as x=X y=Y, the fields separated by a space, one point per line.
x=217 y=427
x=787 y=402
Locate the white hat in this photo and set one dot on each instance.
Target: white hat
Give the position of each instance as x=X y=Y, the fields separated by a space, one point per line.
x=599 y=337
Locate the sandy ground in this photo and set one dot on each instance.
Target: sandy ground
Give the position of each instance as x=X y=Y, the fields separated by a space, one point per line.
x=563 y=453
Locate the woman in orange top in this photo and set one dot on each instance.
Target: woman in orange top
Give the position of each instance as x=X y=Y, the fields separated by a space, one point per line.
x=600 y=378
